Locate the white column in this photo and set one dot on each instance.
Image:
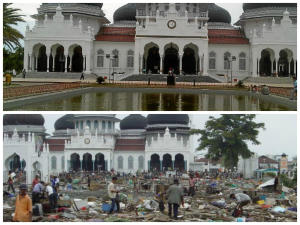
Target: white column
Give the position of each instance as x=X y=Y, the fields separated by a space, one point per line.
x=83 y=66
x=66 y=63
x=71 y=56
x=205 y=58
x=161 y=59
x=180 y=63
x=276 y=64
x=141 y=64
x=48 y=56
x=36 y=62
x=290 y=67
x=272 y=62
x=136 y=55
x=53 y=62
x=258 y=66
x=200 y=64
x=30 y=62
x=295 y=66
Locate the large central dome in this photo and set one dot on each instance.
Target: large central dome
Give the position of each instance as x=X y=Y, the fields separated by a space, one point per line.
x=168 y=119
x=218 y=14
x=126 y=12
x=262 y=5
x=133 y=121
x=23 y=119
x=63 y=122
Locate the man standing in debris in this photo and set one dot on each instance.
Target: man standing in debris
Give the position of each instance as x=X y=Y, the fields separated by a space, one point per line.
x=10 y=181
x=170 y=179
x=37 y=192
x=242 y=199
x=175 y=198
x=192 y=182
x=23 y=211
x=89 y=181
x=52 y=196
x=112 y=193
x=134 y=179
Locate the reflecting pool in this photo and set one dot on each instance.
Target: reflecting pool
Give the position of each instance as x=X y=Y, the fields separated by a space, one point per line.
x=139 y=101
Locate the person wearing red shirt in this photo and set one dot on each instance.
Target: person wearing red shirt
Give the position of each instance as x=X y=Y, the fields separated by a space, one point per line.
x=35 y=181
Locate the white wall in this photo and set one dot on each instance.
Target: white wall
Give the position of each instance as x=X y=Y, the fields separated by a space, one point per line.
x=125 y=155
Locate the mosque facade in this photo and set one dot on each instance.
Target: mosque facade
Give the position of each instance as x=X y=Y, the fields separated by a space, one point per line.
x=191 y=38
x=91 y=142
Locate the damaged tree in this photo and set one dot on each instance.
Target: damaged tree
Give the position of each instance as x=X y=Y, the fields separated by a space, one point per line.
x=226 y=137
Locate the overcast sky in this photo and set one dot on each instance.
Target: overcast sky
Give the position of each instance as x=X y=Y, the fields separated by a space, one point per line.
x=279 y=137
x=109 y=7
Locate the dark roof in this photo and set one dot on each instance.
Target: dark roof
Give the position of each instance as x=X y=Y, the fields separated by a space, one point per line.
x=130 y=145
x=261 y=5
x=267 y=160
x=94 y=4
x=218 y=14
x=217 y=36
x=168 y=119
x=23 y=119
x=63 y=122
x=126 y=12
x=116 y=34
x=133 y=121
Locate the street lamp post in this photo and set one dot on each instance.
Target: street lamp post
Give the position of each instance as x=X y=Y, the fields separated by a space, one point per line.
x=229 y=60
x=114 y=57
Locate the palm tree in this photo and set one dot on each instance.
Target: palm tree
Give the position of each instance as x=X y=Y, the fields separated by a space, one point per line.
x=11 y=35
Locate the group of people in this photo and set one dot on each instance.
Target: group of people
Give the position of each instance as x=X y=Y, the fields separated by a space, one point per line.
x=23 y=210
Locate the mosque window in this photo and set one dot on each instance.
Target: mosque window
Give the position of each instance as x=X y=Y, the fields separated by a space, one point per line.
x=166 y=7
x=77 y=124
x=63 y=163
x=88 y=123
x=103 y=125
x=109 y=124
x=96 y=124
x=141 y=163
x=177 y=7
x=115 y=62
x=226 y=62
x=100 y=58
x=120 y=162
x=130 y=58
x=242 y=61
x=130 y=162
x=212 y=60
x=53 y=163
x=81 y=124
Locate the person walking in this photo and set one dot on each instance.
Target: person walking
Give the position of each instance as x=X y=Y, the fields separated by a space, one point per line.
x=295 y=88
x=134 y=180
x=89 y=181
x=24 y=73
x=175 y=198
x=242 y=199
x=52 y=196
x=35 y=181
x=170 y=179
x=112 y=193
x=37 y=192
x=82 y=76
x=11 y=181
x=23 y=210
x=192 y=182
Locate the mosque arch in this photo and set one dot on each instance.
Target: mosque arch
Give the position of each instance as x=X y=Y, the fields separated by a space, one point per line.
x=179 y=162
x=14 y=161
x=141 y=162
x=155 y=162
x=171 y=58
x=99 y=162
x=87 y=162
x=283 y=63
x=75 y=162
x=77 y=59
x=120 y=162
x=130 y=162
x=265 y=63
x=167 y=161
x=152 y=57
x=190 y=59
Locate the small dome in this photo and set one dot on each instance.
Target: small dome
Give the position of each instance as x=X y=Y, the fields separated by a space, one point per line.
x=283 y=155
x=168 y=119
x=23 y=119
x=218 y=14
x=261 y=5
x=63 y=122
x=133 y=121
x=126 y=12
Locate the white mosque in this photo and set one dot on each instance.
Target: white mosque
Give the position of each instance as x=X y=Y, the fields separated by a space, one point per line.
x=194 y=38
x=92 y=142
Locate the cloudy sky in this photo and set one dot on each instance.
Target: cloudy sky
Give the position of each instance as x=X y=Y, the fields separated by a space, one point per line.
x=27 y=9
x=279 y=137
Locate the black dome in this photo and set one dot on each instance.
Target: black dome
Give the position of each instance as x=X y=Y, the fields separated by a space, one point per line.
x=261 y=5
x=62 y=123
x=218 y=14
x=168 y=119
x=133 y=121
x=126 y=12
x=95 y=4
x=23 y=119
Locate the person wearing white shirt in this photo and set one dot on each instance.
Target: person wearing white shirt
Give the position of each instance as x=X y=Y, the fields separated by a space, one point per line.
x=52 y=196
x=242 y=199
x=112 y=193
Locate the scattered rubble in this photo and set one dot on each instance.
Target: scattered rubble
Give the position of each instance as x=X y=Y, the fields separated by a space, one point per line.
x=210 y=203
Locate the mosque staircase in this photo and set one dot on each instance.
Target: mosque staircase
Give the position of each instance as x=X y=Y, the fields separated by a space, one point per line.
x=162 y=77
x=268 y=80
x=57 y=75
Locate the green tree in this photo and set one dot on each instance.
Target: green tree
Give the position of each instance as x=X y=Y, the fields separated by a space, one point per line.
x=11 y=36
x=226 y=137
